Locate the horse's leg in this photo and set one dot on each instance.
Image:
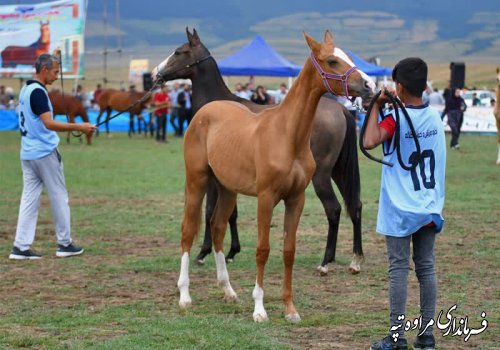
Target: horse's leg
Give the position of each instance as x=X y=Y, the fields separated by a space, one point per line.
x=131 y=124
x=323 y=186
x=235 y=240
x=223 y=209
x=210 y=204
x=357 y=247
x=71 y=119
x=101 y=111
x=196 y=182
x=293 y=210
x=264 y=216
x=108 y=113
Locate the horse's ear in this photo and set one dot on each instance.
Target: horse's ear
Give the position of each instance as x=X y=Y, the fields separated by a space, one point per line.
x=196 y=38
x=328 y=39
x=313 y=44
x=189 y=35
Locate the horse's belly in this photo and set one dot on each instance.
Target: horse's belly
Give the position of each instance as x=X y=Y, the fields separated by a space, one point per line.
x=233 y=165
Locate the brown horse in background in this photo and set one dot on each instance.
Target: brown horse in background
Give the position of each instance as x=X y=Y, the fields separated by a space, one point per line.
x=496 y=112
x=71 y=107
x=265 y=154
x=14 y=55
x=120 y=101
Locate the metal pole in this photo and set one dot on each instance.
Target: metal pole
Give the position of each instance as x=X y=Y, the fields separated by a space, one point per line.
x=105 y=53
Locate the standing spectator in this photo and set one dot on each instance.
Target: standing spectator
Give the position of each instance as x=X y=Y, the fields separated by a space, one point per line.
x=241 y=92
x=455 y=107
x=475 y=100
x=97 y=94
x=80 y=94
x=410 y=204
x=185 y=108
x=161 y=104
x=260 y=96
x=426 y=94
x=174 y=109
x=4 y=98
x=435 y=98
x=282 y=93
x=42 y=164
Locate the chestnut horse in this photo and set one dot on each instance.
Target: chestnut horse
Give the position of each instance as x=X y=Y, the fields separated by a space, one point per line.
x=333 y=144
x=71 y=107
x=14 y=55
x=265 y=154
x=497 y=113
x=111 y=99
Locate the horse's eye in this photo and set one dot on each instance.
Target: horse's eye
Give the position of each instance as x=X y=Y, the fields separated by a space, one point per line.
x=331 y=61
x=177 y=53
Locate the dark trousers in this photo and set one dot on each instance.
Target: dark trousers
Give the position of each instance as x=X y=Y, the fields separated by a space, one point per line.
x=398 y=251
x=161 y=127
x=185 y=115
x=175 y=120
x=455 y=122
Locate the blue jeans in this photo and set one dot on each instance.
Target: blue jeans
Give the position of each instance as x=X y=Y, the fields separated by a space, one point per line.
x=398 y=250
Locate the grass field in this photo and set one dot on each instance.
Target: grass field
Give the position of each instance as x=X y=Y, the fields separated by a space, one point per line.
x=126 y=197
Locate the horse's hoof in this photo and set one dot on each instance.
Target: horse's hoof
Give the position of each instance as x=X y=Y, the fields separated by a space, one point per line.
x=232 y=298
x=259 y=318
x=354 y=268
x=200 y=262
x=185 y=304
x=294 y=317
x=323 y=270
x=229 y=260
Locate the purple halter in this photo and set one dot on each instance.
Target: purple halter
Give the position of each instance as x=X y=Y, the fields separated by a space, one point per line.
x=325 y=76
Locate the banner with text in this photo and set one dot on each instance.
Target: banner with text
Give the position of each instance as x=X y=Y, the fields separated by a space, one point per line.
x=28 y=30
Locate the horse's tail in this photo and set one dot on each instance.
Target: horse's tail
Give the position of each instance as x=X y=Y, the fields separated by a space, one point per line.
x=345 y=173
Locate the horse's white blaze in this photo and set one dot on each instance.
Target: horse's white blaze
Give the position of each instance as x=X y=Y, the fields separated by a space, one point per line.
x=259 y=313
x=160 y=67
x=223 y=277
x=183 y=282
x=343 y=56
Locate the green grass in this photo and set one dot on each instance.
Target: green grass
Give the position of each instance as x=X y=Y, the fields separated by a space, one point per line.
x=126 y=198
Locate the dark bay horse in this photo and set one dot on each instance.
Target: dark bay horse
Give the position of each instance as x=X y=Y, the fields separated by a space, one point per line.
x=14 y=55
x=266 y=155
x=333 y=143
x=71 y=107
x=111 y=99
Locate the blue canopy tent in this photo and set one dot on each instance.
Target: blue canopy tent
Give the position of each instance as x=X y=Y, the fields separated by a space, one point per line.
x=258 y=58
x=369 y=68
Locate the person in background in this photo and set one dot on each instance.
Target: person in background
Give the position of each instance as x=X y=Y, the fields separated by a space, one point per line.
x=4 y=98
x=281 y=94
x=174 y=109
x=42 y=163
x=426 y=94
x=260 y=96
x=475 y=100
x=161 y=105
x=185 y=110
x=435 y=98
x=410 y=204
x=97 y=94
x=455 y=107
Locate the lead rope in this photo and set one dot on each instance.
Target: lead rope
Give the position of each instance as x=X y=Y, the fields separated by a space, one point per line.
x=397 y=135
x=79 y=134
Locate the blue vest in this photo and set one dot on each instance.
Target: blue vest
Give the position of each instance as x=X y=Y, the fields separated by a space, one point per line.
x=37 y=141
x=412 y=199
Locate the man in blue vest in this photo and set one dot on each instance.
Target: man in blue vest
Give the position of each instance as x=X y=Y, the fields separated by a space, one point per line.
x=42 y=164
x=411 y=202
